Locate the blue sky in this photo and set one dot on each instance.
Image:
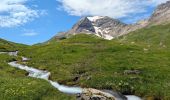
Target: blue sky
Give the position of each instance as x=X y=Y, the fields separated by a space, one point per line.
x=35 y=21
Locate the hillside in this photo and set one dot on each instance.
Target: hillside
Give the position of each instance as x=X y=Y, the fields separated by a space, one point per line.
x=14 y=85
x=10 y=46
x=98 y=52
x=88 y=61
x=150 y=36
x=137 y=63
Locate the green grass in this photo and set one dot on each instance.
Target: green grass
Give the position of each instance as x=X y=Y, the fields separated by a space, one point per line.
x=10 y=46
x=15 y=85
x=101 y=64
x=153 y=36
x=29 y=89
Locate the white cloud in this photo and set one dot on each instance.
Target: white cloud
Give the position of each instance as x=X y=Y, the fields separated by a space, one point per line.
x=16 y=12
x=29 y=33
x=112 y=8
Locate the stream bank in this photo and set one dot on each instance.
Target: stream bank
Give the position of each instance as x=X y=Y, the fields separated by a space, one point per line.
x=82 y=93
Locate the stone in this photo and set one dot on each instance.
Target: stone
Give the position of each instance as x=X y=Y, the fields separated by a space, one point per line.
x=126 y=72
x=94 y=94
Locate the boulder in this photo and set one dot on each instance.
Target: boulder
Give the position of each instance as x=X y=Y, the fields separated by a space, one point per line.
x=94 y=94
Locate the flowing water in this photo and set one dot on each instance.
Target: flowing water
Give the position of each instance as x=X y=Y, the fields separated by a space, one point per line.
x=36 y=73
x=45 y=75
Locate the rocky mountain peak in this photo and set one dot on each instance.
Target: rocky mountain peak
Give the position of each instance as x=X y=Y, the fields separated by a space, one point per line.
x=83 y=26
x=102 y=26
x=105 y=21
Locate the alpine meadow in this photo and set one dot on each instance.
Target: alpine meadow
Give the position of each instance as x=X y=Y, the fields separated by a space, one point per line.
x=99 y=58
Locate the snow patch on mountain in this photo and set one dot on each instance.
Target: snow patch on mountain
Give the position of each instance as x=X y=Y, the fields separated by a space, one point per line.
x=101 y=33
x=95 y=18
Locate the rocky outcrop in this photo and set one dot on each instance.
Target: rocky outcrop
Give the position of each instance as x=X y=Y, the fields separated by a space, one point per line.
x=94 y=94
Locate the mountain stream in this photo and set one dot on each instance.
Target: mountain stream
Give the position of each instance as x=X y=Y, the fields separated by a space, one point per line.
x=36 y=73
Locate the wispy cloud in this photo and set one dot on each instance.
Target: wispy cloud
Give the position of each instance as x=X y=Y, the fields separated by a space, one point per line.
x=16 y=12
x=29 y=33
x=112 y=8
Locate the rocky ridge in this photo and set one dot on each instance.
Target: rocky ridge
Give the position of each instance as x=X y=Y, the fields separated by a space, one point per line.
x=161 y=15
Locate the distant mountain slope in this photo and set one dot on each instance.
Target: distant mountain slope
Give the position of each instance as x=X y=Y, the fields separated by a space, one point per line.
x=161 y=15
x=109 y=28
x=158 y=35
x=10 y=46
x=98 y=25
x=101 y=26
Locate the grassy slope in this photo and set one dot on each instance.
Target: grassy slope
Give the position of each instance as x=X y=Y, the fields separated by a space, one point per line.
x=101 y=64
x=155 y=35
x=10 y=46
x=14 y=85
